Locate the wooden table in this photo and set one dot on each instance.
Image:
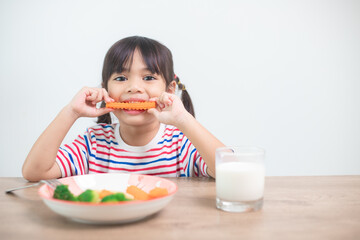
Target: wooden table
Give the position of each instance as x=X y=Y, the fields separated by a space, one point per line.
x=294 y=208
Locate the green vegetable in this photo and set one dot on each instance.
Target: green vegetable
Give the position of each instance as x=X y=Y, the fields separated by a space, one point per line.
x=89 y=196
x=62 y=192
x=116 y=197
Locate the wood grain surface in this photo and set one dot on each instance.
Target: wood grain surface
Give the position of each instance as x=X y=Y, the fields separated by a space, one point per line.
x=315 y=207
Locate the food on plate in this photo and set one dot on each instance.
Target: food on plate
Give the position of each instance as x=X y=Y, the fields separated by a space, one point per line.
x=89 y=196
x=62 y=192
x=116 y=197
x=138 y=193
x=158 y=192
x=103 y=193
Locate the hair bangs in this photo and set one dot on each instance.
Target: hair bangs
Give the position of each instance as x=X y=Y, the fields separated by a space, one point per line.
x=150 y=56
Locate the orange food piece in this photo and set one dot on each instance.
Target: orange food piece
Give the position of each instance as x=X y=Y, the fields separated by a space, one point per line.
x=138 y=193
x=158 y=192
x=131 y=105
x=104 y=193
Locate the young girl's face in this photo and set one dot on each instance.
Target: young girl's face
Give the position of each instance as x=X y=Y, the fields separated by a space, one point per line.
x=135 y=84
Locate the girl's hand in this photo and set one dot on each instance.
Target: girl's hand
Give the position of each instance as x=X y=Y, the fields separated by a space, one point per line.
x=170 y=109
x=84 y=102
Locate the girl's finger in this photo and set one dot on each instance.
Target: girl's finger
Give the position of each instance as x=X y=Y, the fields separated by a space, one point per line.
x=154 y=99
x=107 y=98
x=166 y=99
x=99 y=97
x=154 y=112
x=91 y=94
x=102 y=111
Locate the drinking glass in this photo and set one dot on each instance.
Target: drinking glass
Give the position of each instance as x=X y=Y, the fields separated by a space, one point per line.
x=240 y=178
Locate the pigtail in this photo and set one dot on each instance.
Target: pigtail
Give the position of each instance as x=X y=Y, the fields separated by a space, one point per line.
x=106 y=118
x=185 y=97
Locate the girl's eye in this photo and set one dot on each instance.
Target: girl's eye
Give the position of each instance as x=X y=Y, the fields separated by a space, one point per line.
x=121 y=78
x=148 y=78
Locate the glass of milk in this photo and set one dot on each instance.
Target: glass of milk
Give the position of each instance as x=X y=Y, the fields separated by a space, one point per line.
x=240 y=178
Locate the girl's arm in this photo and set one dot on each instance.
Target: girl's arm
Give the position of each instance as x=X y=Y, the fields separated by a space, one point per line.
x=171 y=111
x=41 y=160
x=203 y=140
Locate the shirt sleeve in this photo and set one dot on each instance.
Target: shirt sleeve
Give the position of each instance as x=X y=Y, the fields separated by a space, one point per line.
x=191 y=161
x=73 y=158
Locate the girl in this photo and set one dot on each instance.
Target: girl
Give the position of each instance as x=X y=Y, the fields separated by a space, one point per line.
x=166 y=141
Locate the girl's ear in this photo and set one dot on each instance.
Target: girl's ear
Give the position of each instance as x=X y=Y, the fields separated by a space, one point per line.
x=172 y=87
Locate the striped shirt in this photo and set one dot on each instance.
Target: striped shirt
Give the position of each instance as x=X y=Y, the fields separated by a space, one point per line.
x=101 y=150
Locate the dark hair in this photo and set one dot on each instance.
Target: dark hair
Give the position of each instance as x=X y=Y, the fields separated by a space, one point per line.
x=157 y=58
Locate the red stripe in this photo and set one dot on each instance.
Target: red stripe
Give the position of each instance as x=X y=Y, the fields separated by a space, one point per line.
x=170 y=131
x=136 y=157
x=196 y=173
x=81 y=156
x=101 y=129
x=156 y=174
x=187 y=151
x=132 y=170
x=78 y=160
x=203 y=168
x=62 y=164
x=93 y=170
x=122 y=150
x=111 y=148
x=82 y=144
x=91 y=142
x=68 y=162
x=102 y=134
x=163 y=173
x=165 y=146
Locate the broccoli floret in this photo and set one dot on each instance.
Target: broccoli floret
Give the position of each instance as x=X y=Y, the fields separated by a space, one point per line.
x=89 y=196
x=62 y=192
x=116 y=197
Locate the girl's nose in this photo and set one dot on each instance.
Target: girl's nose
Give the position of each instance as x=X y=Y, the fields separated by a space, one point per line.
x=134 y=87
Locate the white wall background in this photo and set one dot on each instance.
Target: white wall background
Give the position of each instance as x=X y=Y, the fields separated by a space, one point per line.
x=283 y=75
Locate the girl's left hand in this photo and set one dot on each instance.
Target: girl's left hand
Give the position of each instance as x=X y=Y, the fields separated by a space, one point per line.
x=170 y=109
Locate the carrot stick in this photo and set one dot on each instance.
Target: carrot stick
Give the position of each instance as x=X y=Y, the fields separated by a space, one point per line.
x=132 y=105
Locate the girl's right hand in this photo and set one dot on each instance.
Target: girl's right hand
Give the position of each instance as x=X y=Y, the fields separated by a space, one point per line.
x=84 y=102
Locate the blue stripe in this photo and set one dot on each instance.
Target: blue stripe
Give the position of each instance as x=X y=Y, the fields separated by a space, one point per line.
x=170 y=140
x=104 y=140
x=188 y=170
x=129 y=163
x=107 y=126
x=197 y=167
x=87 y=159
x=87 y=144
x=182 y=148
x=71 y=159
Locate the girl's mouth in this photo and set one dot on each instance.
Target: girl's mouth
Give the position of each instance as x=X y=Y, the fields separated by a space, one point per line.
x=133 y=112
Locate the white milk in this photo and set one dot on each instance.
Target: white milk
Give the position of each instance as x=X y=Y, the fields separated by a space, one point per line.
x=240 y=181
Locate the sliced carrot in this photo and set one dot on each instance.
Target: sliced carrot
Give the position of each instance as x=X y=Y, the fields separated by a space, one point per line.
x=131 y=105
x=137 y=193
x=158 y=192
x=104 y=193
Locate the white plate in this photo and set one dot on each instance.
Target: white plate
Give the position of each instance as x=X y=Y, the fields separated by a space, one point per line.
x=107 y=213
